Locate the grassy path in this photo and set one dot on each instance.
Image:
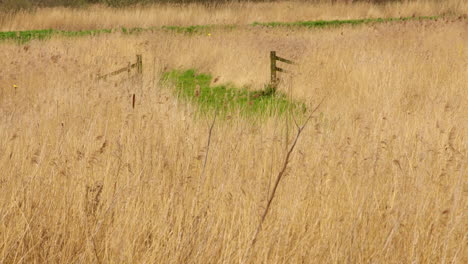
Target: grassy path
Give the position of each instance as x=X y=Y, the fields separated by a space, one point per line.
x=25 y=36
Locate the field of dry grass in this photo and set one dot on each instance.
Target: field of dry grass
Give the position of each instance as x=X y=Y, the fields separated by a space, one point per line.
x=234 y=13
x=378 y=176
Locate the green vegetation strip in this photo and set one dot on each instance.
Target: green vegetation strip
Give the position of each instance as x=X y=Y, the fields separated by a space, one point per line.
x=226 y=98
x=25 y=36
x=199 y=29
x=335 y=23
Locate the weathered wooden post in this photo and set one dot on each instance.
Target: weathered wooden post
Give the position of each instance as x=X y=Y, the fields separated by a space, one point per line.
x=139 y=64
x=273 y=58
x=273 y=80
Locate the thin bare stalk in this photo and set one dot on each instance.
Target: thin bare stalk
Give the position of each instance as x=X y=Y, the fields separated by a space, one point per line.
x=202 y=176
x=278 y=180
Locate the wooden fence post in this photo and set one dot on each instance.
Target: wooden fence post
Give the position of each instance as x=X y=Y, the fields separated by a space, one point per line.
x=139 y=64
x=273 y=80
x=273 y=58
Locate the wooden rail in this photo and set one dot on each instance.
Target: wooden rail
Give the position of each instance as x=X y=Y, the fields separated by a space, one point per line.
x=138 y=65
x=274 y=69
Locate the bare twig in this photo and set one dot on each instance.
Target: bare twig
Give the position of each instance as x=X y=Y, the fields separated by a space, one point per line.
x=278 y=180
x=202 y=176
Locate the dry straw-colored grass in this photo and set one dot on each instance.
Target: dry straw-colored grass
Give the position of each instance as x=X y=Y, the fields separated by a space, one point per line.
x=379 y=175
x=234 y=13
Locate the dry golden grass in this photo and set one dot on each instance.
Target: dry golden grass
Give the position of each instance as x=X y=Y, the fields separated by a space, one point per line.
x=235 y=13
x=378 y=176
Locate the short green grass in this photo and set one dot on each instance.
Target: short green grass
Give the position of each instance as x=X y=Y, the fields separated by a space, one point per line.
x=189 y=29
x=25 y=36
x=28 y=35
x=198 y=29
x=226 y=98
x=336 y=23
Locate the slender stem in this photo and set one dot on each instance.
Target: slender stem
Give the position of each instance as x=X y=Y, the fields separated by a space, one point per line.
x=202 y=176
x=278 y=180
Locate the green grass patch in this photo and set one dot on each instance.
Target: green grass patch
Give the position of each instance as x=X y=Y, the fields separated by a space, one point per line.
x=26 y=36
x=198 y=29
x=336 y=23
x=226 y=98
x=190 y=29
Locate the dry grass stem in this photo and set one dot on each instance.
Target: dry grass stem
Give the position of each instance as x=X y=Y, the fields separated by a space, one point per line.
x=280 y=175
